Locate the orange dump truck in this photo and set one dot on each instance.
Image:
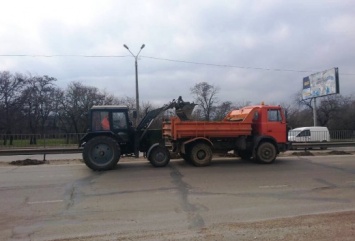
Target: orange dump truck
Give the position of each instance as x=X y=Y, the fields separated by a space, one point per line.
x=255 y=132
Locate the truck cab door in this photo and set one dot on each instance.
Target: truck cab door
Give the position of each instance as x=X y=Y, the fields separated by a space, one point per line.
x=276 y=125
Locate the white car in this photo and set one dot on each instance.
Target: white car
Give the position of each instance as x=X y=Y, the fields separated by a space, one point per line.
x=309 y=134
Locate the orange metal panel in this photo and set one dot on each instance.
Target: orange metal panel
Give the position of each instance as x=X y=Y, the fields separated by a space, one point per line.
x=189 y=129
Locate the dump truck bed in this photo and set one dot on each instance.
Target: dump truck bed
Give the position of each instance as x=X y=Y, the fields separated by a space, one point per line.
x=177 y=129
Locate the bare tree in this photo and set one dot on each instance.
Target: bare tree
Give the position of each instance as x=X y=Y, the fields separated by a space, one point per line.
x=39 y=95
x=332 y=108
x=241 y=104
x=222 y=110
x=334 y=111
x=11 y=101
x=302 y=103
x=205 y=97
x=76 y=102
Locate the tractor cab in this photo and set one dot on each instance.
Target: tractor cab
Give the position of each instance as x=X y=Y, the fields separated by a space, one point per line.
x=113 y=120
x=105 y=118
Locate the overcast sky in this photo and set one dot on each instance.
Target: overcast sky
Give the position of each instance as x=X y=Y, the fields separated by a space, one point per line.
x=253 y=50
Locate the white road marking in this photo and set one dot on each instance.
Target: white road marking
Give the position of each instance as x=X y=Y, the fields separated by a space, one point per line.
x=274 y=186
x=47 y=201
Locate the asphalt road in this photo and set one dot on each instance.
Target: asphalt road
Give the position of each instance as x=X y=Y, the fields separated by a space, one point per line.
x=135 y=201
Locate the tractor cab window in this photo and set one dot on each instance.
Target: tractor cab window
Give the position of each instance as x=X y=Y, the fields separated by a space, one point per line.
x=274 y=115
x=100 y=121
x=119 y=120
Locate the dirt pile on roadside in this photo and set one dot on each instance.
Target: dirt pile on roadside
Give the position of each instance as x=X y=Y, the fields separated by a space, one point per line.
x=27 y=162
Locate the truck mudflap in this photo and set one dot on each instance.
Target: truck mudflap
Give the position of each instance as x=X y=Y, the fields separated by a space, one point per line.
x=282 y=147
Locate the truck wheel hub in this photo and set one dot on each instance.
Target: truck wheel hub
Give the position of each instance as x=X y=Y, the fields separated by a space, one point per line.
x=201 y=155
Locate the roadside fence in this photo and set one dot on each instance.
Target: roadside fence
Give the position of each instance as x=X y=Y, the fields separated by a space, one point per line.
x=20 y=141
x=71 y=140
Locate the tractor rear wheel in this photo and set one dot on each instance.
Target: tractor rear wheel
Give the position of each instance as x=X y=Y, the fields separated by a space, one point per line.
x=159 y=156
x=101 y=153
x=201 y=155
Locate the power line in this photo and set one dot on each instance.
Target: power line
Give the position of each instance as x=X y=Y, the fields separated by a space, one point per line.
x=234 y=66
x=63 y=55
x=226 y=65
x=164 y=59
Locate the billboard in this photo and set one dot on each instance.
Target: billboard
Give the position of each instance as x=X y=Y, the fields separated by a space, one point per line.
x=321 y=84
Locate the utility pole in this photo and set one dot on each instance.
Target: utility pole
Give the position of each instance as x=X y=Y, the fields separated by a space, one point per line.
x=137 y=91
x=314 y=111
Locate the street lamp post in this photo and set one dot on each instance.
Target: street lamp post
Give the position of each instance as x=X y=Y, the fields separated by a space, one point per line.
x=136 y=65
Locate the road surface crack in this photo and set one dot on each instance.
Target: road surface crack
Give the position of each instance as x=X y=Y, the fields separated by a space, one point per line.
x=195 y=220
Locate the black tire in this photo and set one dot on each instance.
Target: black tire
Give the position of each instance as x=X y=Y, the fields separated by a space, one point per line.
x=245 y=155
x=101 y=153
x=266 y=153
x=201 y=155
x=324 y=147
x=159 y=156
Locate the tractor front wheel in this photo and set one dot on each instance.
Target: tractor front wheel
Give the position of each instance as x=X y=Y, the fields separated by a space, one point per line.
x=159 y=156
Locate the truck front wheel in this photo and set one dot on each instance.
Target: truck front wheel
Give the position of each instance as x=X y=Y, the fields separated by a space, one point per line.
x=159 y=156
x=201 y=155
x=266 y=153
x=101 y=153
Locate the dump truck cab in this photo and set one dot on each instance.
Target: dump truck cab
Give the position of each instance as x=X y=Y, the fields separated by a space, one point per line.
x=268 y=121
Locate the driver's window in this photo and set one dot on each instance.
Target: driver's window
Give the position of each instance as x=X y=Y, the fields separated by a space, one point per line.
x=100 y=121
x=305 y=133
x=274 y=115
x=119 y=120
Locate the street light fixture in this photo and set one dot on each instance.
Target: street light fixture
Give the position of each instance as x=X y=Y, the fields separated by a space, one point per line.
x=136 y=64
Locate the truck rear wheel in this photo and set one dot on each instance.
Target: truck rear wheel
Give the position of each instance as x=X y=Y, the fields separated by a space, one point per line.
x=201 y=155
x=159 y=156
x=101 y=153
x=324 y=147
x=266 y=153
